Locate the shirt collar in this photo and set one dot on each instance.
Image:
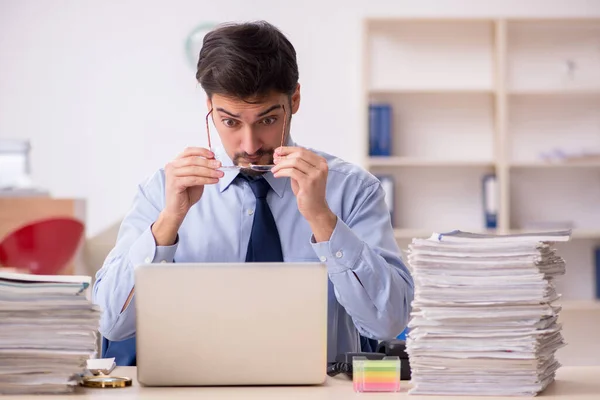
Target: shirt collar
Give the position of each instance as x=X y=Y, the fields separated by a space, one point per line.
x=229 y=175
x=277 y=184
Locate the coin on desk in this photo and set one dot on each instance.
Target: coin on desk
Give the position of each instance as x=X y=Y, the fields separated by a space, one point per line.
x=106 y=381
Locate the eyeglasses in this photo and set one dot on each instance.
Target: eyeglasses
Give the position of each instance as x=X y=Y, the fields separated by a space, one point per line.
x=254 y=167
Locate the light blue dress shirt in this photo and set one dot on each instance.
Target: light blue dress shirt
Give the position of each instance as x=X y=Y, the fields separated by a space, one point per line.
x=217 y=229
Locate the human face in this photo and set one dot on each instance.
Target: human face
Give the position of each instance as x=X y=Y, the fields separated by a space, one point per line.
x=251 y=131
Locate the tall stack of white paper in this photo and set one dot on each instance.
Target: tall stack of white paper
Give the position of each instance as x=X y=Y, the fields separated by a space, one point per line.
x=47 y=332
x=484 y=318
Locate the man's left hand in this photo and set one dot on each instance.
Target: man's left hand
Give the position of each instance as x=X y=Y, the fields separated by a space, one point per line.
x=308 y=175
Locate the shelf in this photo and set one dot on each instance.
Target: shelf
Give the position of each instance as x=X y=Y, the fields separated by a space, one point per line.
x=424 y=53
x=489 y=91
x=424 y=90
x=479 y=96
x=416 y=162
x=576 y=233
x=565 y=195
x=437 y=126
x=542 y=164
x=440 y=198
x=556 y=92
x=539 y=126
x=557 y=57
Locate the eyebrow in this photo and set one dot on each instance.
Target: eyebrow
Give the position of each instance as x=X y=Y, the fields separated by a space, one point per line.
x=268 y=110
x=227 y=112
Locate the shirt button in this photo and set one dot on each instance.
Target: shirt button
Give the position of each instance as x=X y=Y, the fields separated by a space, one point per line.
x=323 y=258
x=339 y=254
x=250 y=211
x=148 y=260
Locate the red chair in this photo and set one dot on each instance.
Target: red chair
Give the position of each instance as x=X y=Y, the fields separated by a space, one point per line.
x=42 y=247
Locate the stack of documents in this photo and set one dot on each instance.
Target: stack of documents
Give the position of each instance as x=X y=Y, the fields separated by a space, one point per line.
x=47 y=332
x=484 y=317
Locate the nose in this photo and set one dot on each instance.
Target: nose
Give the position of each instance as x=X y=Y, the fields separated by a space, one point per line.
x=250 y=142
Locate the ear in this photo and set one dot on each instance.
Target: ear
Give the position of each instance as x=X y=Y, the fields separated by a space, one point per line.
x=296 y=100
x=208 y=104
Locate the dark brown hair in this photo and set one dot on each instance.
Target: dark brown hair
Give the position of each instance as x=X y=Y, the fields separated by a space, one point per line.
x=247 y=60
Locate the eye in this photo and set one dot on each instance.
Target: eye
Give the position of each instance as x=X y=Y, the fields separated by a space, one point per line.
x=228 y=122
x=269 y=121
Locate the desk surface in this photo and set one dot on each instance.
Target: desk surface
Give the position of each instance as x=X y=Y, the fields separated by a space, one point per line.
x=573 y=383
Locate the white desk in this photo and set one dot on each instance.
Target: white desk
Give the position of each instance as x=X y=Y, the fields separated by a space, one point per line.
x=572 y=383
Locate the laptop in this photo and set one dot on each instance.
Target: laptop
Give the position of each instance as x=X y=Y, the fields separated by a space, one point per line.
x=215 y=324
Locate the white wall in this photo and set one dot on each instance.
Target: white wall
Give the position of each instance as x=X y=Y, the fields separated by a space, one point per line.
x=104 y=92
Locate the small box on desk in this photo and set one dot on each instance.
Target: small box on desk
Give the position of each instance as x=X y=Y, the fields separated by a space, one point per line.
x=376 y=375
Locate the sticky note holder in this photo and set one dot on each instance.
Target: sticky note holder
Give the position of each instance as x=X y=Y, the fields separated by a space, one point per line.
x=376 y=375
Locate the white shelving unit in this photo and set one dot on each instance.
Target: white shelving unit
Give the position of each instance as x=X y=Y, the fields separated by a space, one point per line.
x=471 y=97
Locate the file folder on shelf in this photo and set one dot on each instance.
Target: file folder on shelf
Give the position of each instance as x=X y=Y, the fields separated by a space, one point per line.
x=490 y=201
x=380 y=130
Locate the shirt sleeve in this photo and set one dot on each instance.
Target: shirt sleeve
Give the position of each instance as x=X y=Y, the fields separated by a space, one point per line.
x=135 y=245
x=363 y=260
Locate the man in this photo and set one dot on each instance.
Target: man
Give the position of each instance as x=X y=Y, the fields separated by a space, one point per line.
x=310 y=206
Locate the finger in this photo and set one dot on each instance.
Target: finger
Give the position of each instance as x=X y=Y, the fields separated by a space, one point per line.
x=292 y=173
x=285 y=150
x=197 y=151
x=298 y=155
x=191 y=181
x=296 y=162
x=197 y=171
x=196 y=161
x=298 y=152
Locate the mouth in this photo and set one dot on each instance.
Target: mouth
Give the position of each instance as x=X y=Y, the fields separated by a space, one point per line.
x=261 y=157
x=252 y=159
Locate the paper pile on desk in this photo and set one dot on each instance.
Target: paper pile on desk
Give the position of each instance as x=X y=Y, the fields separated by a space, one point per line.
x=47 y=332
x=484 y=318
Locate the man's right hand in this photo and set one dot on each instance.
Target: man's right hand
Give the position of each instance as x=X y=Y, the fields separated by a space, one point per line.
x=185 y=179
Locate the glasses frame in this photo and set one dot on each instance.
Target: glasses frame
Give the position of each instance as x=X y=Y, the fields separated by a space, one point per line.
x=251 y=166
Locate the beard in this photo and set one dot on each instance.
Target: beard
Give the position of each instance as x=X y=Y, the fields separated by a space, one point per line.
x=260 y=153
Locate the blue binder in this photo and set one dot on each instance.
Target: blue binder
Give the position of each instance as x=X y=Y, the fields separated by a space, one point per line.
x=380 y=130
x=490 y=201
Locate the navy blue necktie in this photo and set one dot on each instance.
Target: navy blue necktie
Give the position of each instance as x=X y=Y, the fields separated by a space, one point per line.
x=264 y=244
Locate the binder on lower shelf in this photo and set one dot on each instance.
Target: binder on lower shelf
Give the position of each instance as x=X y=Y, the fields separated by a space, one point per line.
x=490 y=201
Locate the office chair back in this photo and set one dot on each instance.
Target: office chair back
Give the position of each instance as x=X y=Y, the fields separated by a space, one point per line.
x=42 y=247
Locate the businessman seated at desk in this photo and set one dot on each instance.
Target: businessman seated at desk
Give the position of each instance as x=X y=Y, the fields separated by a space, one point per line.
x=310 y=206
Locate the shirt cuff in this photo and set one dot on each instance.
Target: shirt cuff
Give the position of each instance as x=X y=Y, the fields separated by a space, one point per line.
x=342 y=251
x=145 y=250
